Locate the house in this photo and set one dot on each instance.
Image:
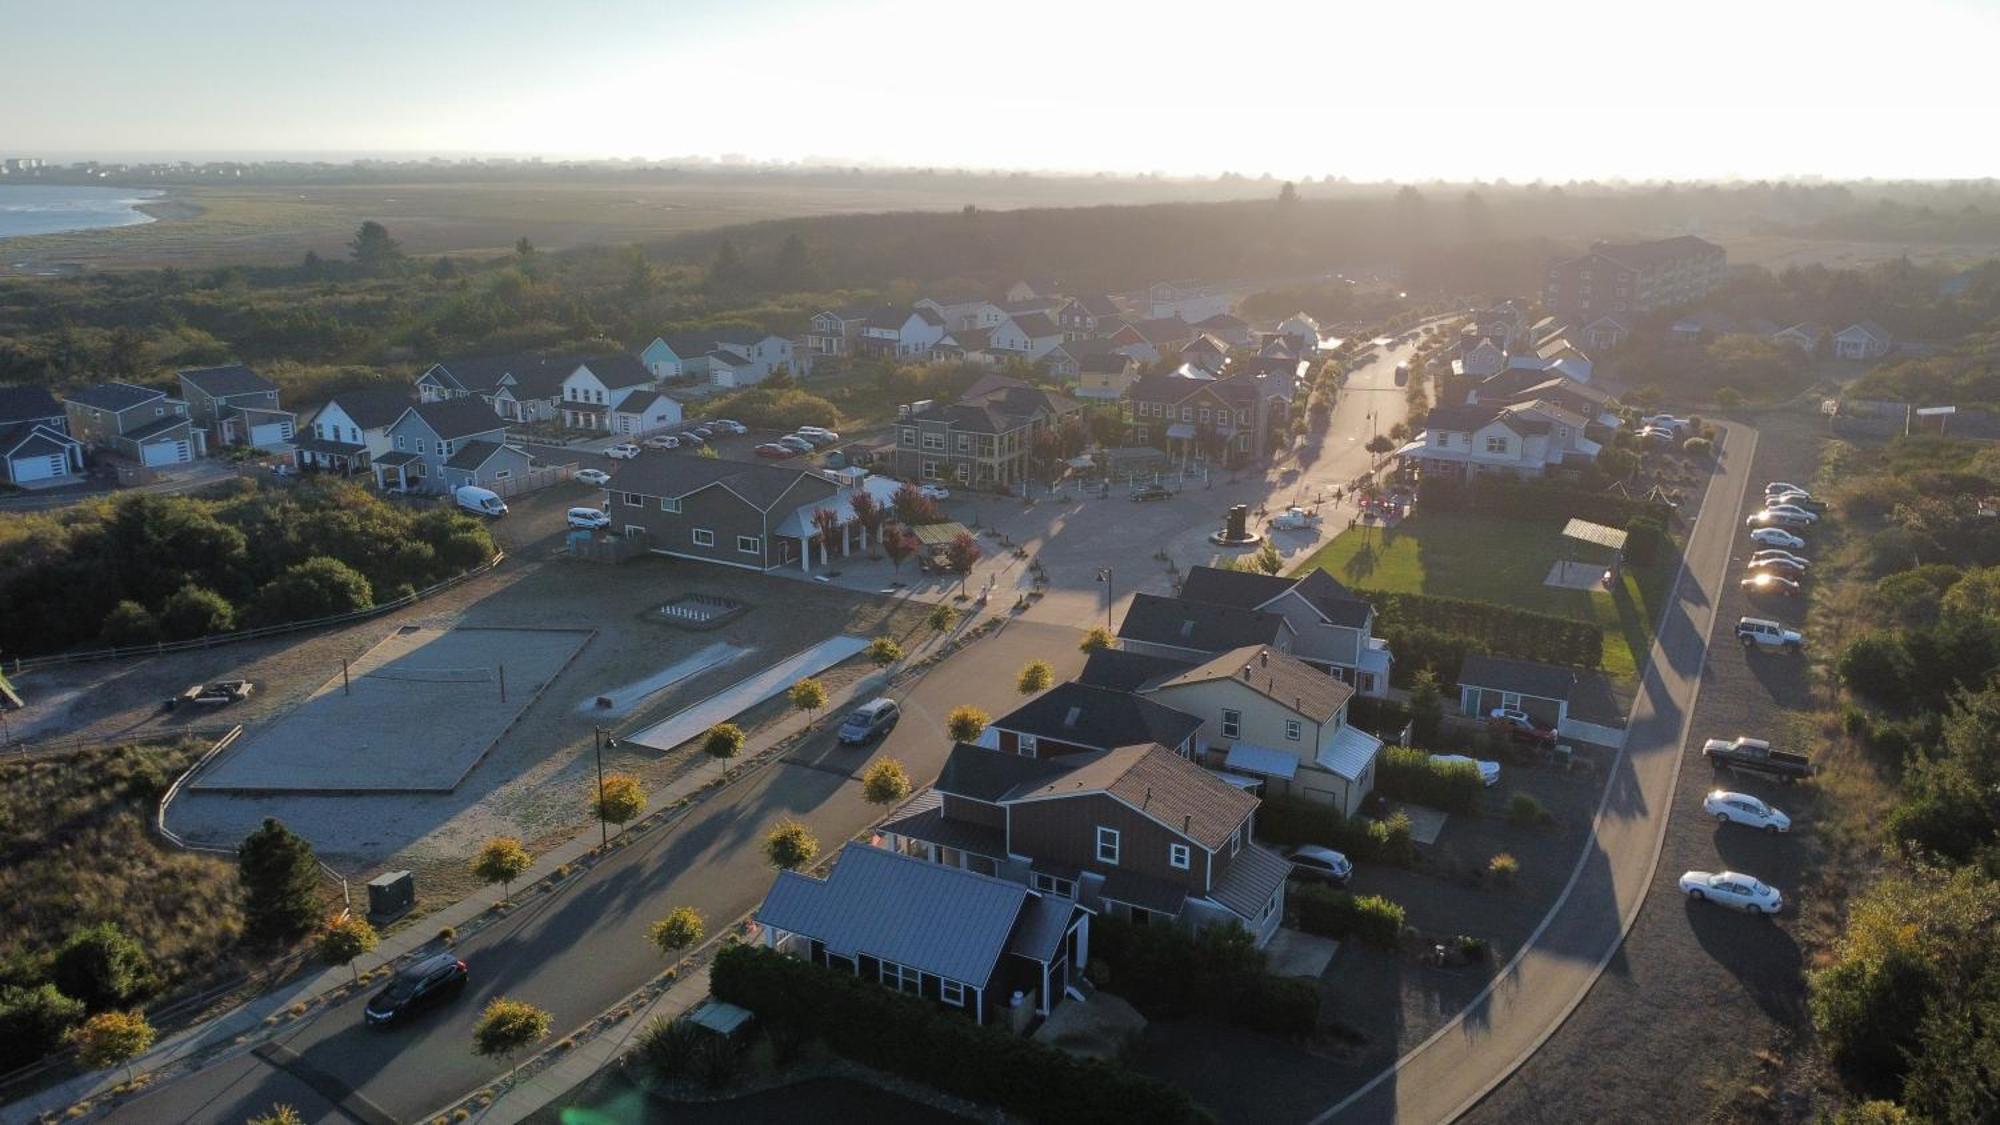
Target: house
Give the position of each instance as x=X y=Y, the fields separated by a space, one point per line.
x=1577 y=398
x=1105 y=376
x=1138 y=832
x=1560 y=355
x=1081 y=317
x=1487 y=683
x=518 y=388
x=1181 y=629
x=1124 y=670
x=1523 y=439
x=1302 y=331
x=1206 y=351
x=429 y=437
x=1863 y=340
x=753 y=516
x=1332 y=628
x=1185 y=300
x=237 y=406
x=983 y=439
x=902 y=333
x=1231 y=330
x=834 y=331
x=138 y=423
x=1629 y=280
x=1271 y=716
x=1063 y=361
x=1606 y=332
x=350 y=431
x=1074 y=718
x=615 y=394
x=35 y=446
x=1030 y=335
x=960 y=312
x=959 y=939
x=1700 y=327
x=1232 y=420
x=1484 y=359
x=1804 y=336
x=751 y=356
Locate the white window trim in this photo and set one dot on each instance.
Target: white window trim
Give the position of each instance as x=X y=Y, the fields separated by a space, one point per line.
x=702 y=537
x=1110 y=837
x=1027 y=746
x=951 y=992
x=1231 y=724
x=1294 y=730
x=756 y=544
x=894 y=976
x=670 y=504
x=1049 y=884
x=634 y=500
x=1235 y=841
x=1179 y=857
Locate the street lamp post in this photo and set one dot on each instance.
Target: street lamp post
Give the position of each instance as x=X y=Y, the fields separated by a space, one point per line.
x=1104 y=575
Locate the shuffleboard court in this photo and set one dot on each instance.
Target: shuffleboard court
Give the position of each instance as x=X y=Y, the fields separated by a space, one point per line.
x=747 y=693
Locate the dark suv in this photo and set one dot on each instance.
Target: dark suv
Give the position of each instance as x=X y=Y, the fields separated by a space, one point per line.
x=419 y=985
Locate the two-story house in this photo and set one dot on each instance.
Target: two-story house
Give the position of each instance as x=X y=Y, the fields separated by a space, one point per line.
x=1232 y=420
x=138 y=423
x=351 y=430
x=36 y=448
x=1862 y=340
x=1105 y=376
x=964 y=311
x=1272 y=716
x=1137 y=831
x=1331 y=627
x=1230 y=329
x=1029 y=335
x=614 y=394
x=1527 y=439
x=753 y=516
x=517 y=388
x=440 y=446
x=983 y=439
x=989 y=947
x=1074 y=718
x=1080 y=317
x=237 y=406
x=1182 y=629
x=833 y=332
x=1302 y=332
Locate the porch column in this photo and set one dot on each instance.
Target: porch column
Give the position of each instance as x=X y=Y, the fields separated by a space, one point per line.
x=805 y=554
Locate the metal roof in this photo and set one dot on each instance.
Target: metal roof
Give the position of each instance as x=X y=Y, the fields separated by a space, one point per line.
x=941 y=920
x=1595 y=534
x=1261 y=760
x=1250 y=880
x=1350 y=752
x=1043 y=925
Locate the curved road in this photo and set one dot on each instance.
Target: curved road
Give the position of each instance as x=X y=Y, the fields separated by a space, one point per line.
x=1532 y=995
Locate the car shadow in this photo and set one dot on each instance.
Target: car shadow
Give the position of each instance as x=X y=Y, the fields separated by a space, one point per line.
x=1758 y=952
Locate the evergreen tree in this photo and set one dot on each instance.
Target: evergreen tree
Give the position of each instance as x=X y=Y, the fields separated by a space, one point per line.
x=280 y=881
x=373 y=249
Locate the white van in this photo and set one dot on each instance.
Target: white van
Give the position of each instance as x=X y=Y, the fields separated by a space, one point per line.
x=481 y=501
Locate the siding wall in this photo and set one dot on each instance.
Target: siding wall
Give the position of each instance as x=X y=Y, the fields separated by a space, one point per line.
x=1065 y=830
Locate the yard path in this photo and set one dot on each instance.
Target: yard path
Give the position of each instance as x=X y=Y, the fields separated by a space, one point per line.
x=1533 y=994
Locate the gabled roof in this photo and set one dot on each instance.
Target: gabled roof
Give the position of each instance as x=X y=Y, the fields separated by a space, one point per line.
x=1098 y=718
x=29 y=439
x=1118 y=670
x=1200 y=626
x=1035 y=325
x=1544 y=681
x=619 y=370
x=1245 y=590
x=222 y=382
x=457 y=417
x=1161 y=784
x=1164 y=329
x=1285 y=680
x=473 y=454
x=1250 y=880
x=979 y=774
x=676 y=474
x=1222 y=322
x=114 y=396
x=1098 y=304
x=1461 y=419
x=941 y=920
x=638 y=402
x=27 y=404
x=1867 y=327
x=534 y=376
x=371 y=409
x=156 y=427
x=1106 y=363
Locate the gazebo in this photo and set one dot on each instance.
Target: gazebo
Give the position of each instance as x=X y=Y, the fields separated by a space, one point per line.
x=1581 y=537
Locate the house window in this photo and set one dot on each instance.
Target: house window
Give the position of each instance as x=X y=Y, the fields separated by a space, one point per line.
x=1232 y=723
x=670 y=504
x=422 y=446
x=1049 y=884
x=902 y=978
x=951 y=992
x=1235 y=841
x=930 y=470
x=1292 y=730
x=965 y=443
x=1028 y=746
x=1243 y=417
x=703 y=537
x=1179 y=857
x=634 y=500
x=1187 y=413
x=934 y=442
x=750 y=544
x=1107 y=845
x=503 y=474
x=907 y=434
x=1204 y=414
x=1496 y=444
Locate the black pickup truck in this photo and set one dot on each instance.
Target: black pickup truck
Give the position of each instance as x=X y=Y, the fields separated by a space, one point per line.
x=1754 y=755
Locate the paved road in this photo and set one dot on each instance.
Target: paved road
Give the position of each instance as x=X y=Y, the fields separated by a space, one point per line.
x=579 y=952
x=1447 y=1074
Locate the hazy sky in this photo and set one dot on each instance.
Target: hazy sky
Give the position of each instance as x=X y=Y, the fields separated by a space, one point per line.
x=1407 y=89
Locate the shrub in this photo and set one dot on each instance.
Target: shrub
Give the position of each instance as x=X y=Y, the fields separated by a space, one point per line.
x=1405 y=774
x=723 y=740
x=502 y=860
x=1524 y=811
x=1096 y=640
x=885 y=782
x=1380 y=714
x=130 y=623
x=1644 y=538
x=790 y=845
x=317 y=587
x=344 y=940
x=908 y=1036
x=884 y=651
x=194 y=611
x=112 y=1039
x=1338 y=914
x=1503 y=868
x=1426 y=708
x=965 y=723
x=1473 y=949
x=941 y=617
x=33 y=1022
x=1036 y=675
x=1444 y=630
x=1390 y=840
x=620 y=799
x=677 y=931
x=1300 y=820
x=103 y=967
x=1528 y=500
x=1875 y=666
x=667 y=1047
x=1698 y=447
x=1217 y=972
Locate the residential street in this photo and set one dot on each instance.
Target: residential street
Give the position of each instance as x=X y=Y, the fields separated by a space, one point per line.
x=580 y=951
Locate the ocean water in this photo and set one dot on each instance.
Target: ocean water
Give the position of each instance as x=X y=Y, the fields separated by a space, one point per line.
x=53 y=208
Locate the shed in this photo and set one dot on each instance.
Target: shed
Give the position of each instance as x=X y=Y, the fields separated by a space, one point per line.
x=1486 y=683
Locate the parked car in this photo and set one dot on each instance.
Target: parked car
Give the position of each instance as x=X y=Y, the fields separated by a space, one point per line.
x=662 y=441
x=1793 y=510
x=1311 y=861
x=1787 y=569
x=589 y=518
x=869 y=721
x=1657 y=436
x=1741 y=808
x=934 y=492
x=731 y=425
x=1728 y=888
x=1667 y=422
x=418 y=986
x=704 y=431
x=623 y=451
x=819 y=433
x=775 y=452
x=1520 y=726
x=1779 y=517
x=1778 y=555
x=593 y=476
x=1778 y=537
x=1766 y=583
x=1777 y=486
x=1794 y=499
x=796 y=444
x=689 y=437
x=1754 y=755
x=479 y=501
x=1765 y=633
x=1152 y=492
x=1489 y=772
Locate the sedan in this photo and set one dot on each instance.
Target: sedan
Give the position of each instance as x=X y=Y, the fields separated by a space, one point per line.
x=730 y=425
x=1489 y=772
x=1657 y=436
x=776 y=452
x=1770 y=518
x=1778 y=537
x=704 y=432
x=1794 y=500
x=593 y=476
x=795 y=443
x=1152 y=492
x=1783 y=568
x=689 y=437
x=1768 y=583
x=1774 y=554
x=1311 y=861
x=623 y=451
x=1732 y=889
x=1778 y=486
x=819 y=433
x=934 y=492
x=1517 y=723
x=1742 y=808
x=589 y=518
x=1793 y=510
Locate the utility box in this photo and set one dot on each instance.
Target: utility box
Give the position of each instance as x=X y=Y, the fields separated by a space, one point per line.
x=390 y=896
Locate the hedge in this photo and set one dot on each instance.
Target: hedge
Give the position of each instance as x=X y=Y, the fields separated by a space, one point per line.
x=1381 y=715
x=1525 y=500
x=1215 y=972
x=868 y=1023
x=1337 y=914
x=1474 y=626
x=1288 y=820
x=1404 y=774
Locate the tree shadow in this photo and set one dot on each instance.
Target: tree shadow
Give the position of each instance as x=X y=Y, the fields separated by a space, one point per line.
x=1361 y=564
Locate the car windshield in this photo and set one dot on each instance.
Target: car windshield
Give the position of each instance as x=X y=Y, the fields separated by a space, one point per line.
x=858 y=719
x=401 y=990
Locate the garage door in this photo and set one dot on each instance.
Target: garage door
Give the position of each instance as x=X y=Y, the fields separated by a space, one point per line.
x=39 y=468
x=276 y=433
x=167 y=453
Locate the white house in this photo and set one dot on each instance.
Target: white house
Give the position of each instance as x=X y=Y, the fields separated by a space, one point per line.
x=1521 y=439
x=350 y=431
x=964 y=312
x=1032 y=335
x=1804 y=336
x=643 y=411
x=596 y=385
x=1483 y=359
x=1865 y=340
x=1606 y=332
x=1303 y=330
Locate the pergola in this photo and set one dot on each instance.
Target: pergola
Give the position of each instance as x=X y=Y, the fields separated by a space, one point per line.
x=1579 y=532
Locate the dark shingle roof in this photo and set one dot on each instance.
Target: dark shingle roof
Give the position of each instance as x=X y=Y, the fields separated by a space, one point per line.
x=1460 y=419
x=1159 y=783
x=156 y=427
x=233 y=379
x=924 y=819
x=637 y=402
x=619 y=370
x=677 y=474
x=979 y=774
x=1545 y=681
x=26 y=404
x=1201 y=626
x=1098 y=718
x=534 y=376
x=372 y=409
x=458 y=417
x=1106 y=362
x=472 y=454
x=1335 y=602
x=1239 y=588
x=1144 y=891
x=1281 y=678
x=1118 y=670
x=114 y=396
x=1036 y=324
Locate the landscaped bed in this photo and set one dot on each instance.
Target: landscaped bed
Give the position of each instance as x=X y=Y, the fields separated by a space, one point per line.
x=1503 y=561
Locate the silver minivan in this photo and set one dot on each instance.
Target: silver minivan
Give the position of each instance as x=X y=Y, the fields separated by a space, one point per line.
x=870 y=720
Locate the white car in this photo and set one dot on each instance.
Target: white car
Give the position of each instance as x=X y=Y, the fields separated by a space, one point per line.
x=1777 y=555
x=593 y=476
x=1762 y=632
x=1778 y=518
x=1778 y=486
x=1654 y=433
x=1732 y=889
x=589 y=518
x=934 y=492
x=818 y=433
x=1489 y=772
x=1665 y=422
x=623 y=451
x=1742 y=808
x=1311 y=861
x=1778 y=537
x=1793 y=510
x=663 y=441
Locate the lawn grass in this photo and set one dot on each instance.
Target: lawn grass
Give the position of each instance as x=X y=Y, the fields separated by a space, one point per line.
x=1503 y=561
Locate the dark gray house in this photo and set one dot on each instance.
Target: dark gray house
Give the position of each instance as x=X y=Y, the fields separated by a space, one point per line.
x=754 y=516
x=1184 y=629
x=237 y=406
x=431 y=438
x=136 y=422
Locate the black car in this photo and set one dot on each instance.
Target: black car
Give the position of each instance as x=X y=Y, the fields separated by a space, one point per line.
x=703 y=432
x=692 y=438
x=418 y=986
x=1152 y=492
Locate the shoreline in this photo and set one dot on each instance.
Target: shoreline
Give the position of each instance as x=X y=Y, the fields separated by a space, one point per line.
x=168 y=207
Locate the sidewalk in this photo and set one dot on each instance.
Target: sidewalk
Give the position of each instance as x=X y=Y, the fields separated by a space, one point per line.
x=248 y=1025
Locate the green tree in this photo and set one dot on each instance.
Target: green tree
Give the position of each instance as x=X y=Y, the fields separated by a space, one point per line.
x=523 y=248
x=1380 y=444
x=790 y=845
x=941 y=617
x=508 y=1027
x=723 y=740
x=808 y=695
x=1268 y=560
x=1096 y=640
x=677 y=931
x=502 y=860
x=727 y=268
x=623 y=800
x=884 y=651
x=194 y=611
x=110 y=1039
x=1426 y=708
x=965 y=723
x=1036 y=675
x=374 y=250
x=1876 y=666
x=280 y=879
x=1977 y=594
x=1729 y=398
x=345 y=939
x=794 y=260
x=318 y=587
x=33 y=1021
x=886 y=782
x=102 y=966
x=130 y=623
